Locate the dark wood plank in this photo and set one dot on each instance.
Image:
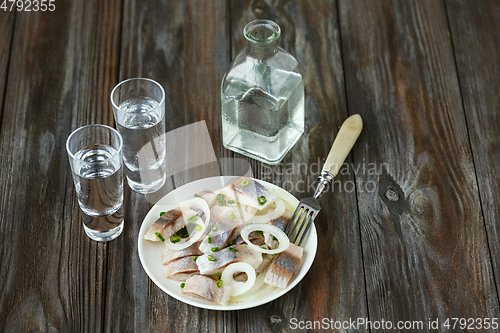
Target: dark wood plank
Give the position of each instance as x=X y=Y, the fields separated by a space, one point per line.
x=475 y=32
x=6 y=31
x=185 y=47
x=334 y=287
x=52 y=274
x=424 y=242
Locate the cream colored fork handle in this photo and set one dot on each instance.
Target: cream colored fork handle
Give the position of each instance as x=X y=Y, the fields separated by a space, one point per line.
x=347 y=136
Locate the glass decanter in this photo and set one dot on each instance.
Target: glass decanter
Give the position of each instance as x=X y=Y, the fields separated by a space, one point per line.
x=262 y=97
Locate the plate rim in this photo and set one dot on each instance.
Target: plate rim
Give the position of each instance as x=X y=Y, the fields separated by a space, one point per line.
x=305 y=267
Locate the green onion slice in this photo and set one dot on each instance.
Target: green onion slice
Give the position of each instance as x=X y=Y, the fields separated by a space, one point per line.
x=232 y=249
x=262 y=200
x=175 y=240
x=159 y=236
x=219 y=283
x=232 y=216
x=161 y=214
x=193 y=218
x=195 y=257
x=230 y=202
x=214 y=249
x=215 y=228
x=183 y=285
x=199 y=227
x=211 y=258
x=244 y=183
x=209 y=239
x=196 y=195
x=217 y=276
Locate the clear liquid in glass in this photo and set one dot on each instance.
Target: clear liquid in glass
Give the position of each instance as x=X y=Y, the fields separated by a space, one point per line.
x=142 y=126
x=263 y=124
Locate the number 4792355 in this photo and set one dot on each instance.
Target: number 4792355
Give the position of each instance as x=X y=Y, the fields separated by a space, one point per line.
x=28 y=5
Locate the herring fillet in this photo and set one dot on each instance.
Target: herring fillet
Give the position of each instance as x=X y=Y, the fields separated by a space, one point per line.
x=167 y=225
x=283 y=268
x=205 y=288
x=181 y=269
x=224 y=257
x=247 y=191
x=168 y=255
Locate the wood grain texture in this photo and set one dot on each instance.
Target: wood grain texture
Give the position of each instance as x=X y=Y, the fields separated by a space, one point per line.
x=423 y=235
x=334 y=287
x=475 y=32
x=52 y=274
x=6 y=32
x=184 y=46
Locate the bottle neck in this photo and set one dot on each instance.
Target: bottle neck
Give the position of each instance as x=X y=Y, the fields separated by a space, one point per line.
x=262 y=50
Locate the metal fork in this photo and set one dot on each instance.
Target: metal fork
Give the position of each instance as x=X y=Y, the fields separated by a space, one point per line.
x=308 y=208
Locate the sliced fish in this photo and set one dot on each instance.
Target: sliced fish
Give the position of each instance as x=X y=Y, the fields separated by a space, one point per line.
x=168 y=255
x=255 y=237
x=247 y=191
x=284 y=267
x=218 y=260
x=280 y=222
x=181 y=269
x=205 y=288
x=209 y=196
x=224 y=227
x=167 y=225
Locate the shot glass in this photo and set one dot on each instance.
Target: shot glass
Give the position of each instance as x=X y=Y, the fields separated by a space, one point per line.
x=95 y=155
x=139 y=108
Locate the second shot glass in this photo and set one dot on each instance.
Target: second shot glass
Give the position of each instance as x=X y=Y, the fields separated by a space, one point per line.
x=139 y=109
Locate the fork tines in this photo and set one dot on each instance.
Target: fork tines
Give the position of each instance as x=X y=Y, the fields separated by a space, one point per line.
x=301 y=221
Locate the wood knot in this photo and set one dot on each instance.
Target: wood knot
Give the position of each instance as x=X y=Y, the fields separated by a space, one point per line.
x=275 y=319
x=391 y=194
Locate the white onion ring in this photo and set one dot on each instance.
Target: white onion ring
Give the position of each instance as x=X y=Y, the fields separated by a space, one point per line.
x=283 y=240
x=187 y=212
x=270 y=215
x=239 y=288
x=258 y=291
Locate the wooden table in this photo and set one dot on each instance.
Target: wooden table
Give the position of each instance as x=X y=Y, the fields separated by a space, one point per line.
x=410 y=232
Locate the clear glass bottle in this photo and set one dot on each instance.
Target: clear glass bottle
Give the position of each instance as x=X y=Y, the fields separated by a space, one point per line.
x=262 y=97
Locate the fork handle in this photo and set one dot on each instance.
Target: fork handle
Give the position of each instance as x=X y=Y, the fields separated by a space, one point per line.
x=347 y=136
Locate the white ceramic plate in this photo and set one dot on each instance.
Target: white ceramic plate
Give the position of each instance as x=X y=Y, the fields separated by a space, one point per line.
x=149 y=252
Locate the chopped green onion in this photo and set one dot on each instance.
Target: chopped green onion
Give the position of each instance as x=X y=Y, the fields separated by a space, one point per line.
x=230 y=202
x=262 y=200
x=259 y=231
x=230 y=243
x=220 y=197
x=159 y=236
x=219 y=283
x=182 y=233
x=183 y=285
x=161 y=214
x=175 y=240
x=232 y=216
x=217 y=276
x=222 y=203
x=215 y=228
x=232 y=249
x=195 y=257
x=211 y=258
x=196 y=195
x=193 y=218
x=209 y=239
x=265 y=248
x=199 y=227
x=214 y=249
x=274 y=238
x=244 y=183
